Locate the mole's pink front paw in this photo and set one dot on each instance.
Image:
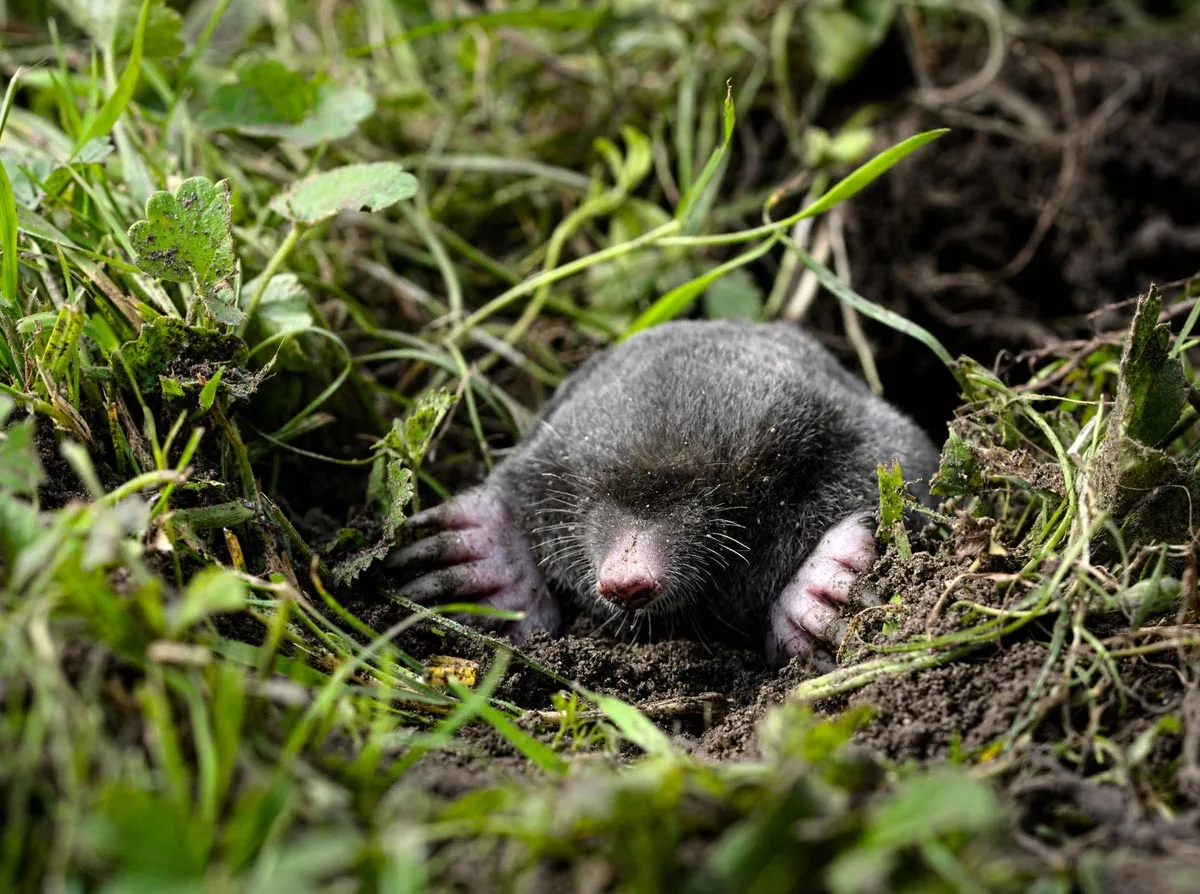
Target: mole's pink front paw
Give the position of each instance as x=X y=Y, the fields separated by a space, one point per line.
x=475 y=552
x=806 y=618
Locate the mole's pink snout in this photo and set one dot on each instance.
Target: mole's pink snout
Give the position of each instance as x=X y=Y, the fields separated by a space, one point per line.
x=632 y=572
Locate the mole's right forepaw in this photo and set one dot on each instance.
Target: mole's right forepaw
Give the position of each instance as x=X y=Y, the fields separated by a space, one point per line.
x=471 y=549
x=807 y=619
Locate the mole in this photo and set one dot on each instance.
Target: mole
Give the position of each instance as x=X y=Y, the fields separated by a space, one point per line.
x=703 y=478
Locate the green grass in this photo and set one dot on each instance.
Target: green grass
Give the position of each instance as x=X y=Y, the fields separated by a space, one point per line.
x=244 y=253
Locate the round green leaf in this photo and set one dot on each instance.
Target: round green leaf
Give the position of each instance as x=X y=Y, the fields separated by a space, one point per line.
x=189 y=234
x=363 y=187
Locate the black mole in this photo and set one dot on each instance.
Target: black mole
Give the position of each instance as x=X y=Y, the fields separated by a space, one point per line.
x=699 y=477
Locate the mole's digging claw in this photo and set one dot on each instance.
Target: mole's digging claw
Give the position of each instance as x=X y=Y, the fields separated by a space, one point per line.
x=476 y=552
x=439 y=549
x=806 y=618
x=455 y=583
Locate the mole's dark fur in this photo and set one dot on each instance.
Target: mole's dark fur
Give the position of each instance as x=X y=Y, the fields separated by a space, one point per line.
x=729 y=448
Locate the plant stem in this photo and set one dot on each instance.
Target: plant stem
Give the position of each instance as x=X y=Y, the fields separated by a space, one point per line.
x=265 y=279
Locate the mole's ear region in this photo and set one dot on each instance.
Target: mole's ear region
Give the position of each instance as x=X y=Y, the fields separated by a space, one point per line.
x=471 y=549
x=806 y=617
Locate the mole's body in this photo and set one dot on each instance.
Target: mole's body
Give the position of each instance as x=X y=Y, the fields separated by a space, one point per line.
x=698 y=477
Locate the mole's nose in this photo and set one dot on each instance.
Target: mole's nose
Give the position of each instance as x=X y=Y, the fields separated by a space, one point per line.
x=632 y=572
x=630 y=588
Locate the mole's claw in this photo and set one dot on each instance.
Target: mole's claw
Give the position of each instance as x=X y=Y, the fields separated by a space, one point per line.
x=806 y=618
x=477 y=552
x=458 y=583
x=473 y=509
x=440 y=549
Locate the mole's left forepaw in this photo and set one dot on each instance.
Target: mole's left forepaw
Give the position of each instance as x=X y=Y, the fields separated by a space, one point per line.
x=806 y=618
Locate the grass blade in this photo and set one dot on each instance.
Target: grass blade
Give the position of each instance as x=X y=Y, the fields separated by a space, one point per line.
x=107 y=117
x=699 y=198
x=8 y=238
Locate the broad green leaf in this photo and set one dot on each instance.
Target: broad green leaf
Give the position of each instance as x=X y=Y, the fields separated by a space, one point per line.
x=847 y=147
x=942 y=802
x=170 y=387
x=359 y=187
x=734 y=296
x=148 y=834
x=212 y=591
x=25 y=172
x=266 y=94
x=223 y=307
x=840 y=36
x=335 y=111
x=19 y=527
x=187 y=237
x=921 y=811
x=958 y=472
x=284 y=306
x=161 y=39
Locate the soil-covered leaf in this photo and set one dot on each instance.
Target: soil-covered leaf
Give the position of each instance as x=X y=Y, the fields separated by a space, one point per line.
x=1153 y=388
x=188 y=238
x=1141 y=484
x=189 y=356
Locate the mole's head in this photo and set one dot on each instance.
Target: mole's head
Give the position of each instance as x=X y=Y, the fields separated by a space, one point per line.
x=649 y=541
